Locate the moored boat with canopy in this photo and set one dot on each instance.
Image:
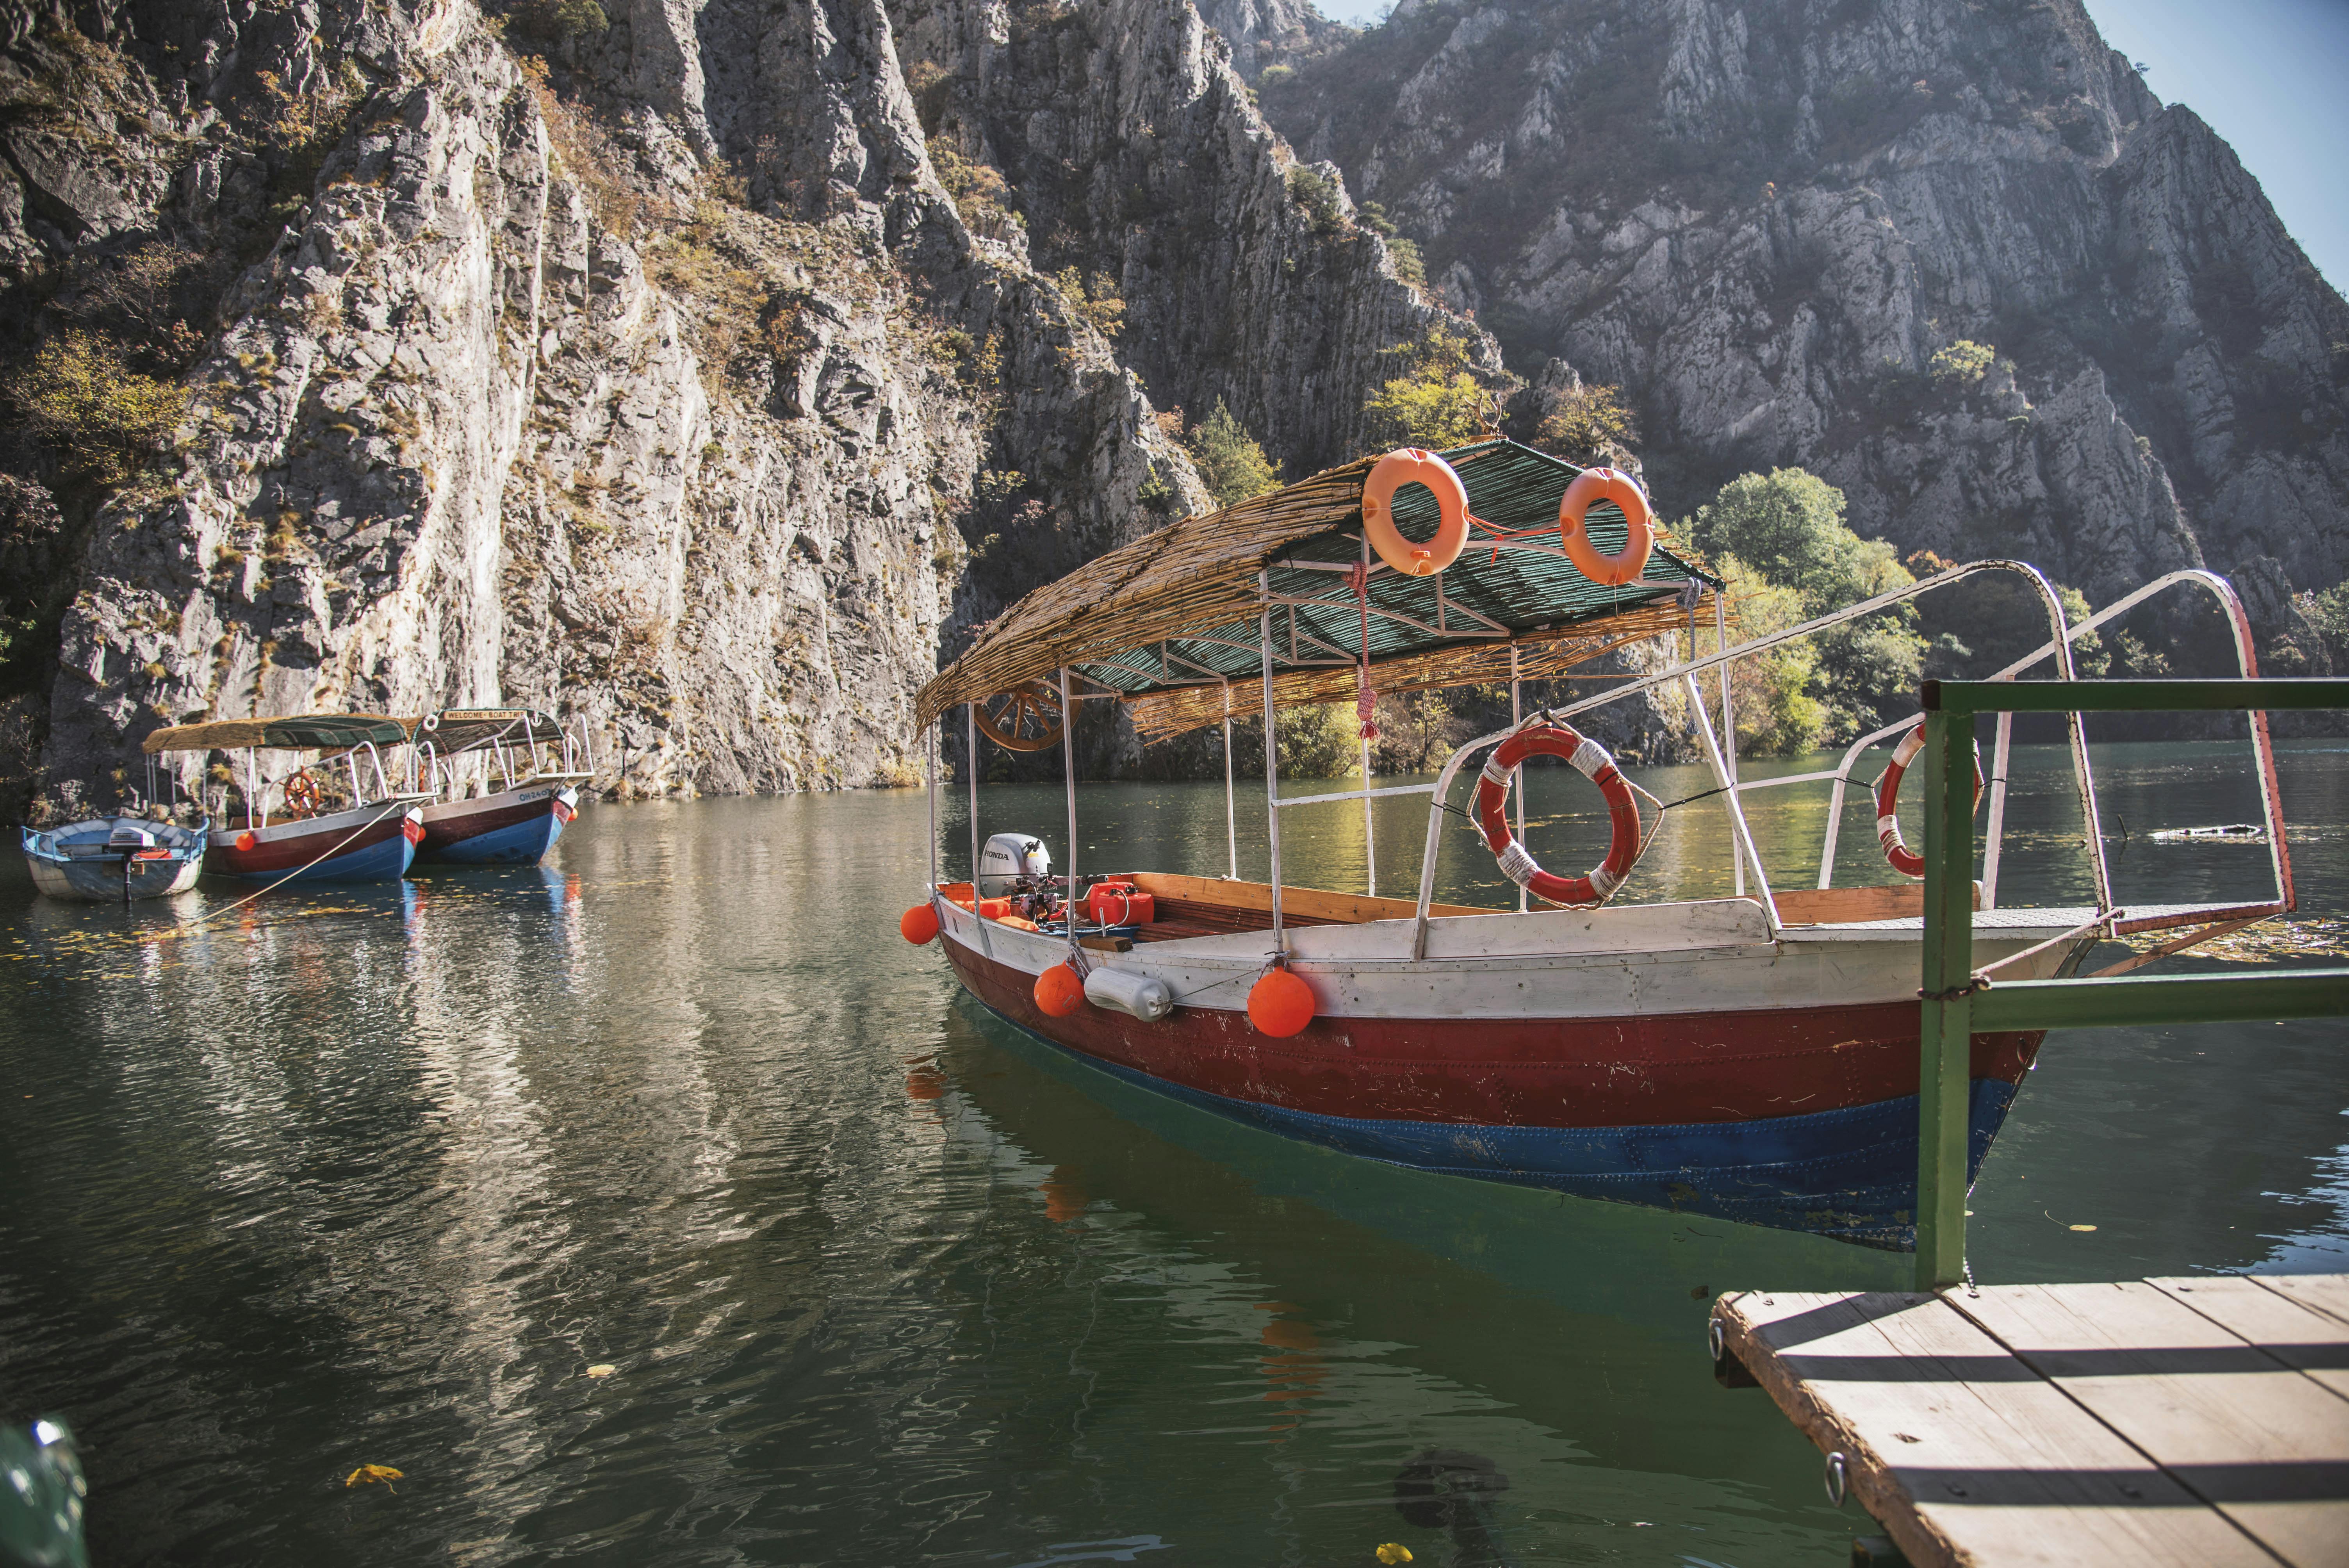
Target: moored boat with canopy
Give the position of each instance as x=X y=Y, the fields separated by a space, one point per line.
x=505 y=783
x=1752 y=1057
x=332 y=824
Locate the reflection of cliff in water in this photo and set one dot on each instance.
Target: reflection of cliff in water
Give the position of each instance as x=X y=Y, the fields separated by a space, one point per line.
x=1590 y=1315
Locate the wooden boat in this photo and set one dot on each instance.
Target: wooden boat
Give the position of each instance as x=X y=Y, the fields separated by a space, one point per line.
x=110 y=858
x=1753 y=1057
x=370 y=835
x=487 y=813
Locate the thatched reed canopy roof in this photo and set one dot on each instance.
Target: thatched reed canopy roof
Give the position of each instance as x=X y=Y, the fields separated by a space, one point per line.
x=301 y=732
x=1169 y=624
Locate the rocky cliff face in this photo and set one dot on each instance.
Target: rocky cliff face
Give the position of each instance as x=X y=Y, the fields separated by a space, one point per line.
x=1765 y=218
x=638 y=363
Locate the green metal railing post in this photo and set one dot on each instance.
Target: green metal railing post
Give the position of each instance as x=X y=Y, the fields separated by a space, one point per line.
x=1945 y=1068
x=1953 y=1005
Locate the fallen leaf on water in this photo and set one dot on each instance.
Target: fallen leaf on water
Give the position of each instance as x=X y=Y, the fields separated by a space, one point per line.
x=383 y=1473
x=602 y=1369
x=1394 y=1552
x=2084 y=1227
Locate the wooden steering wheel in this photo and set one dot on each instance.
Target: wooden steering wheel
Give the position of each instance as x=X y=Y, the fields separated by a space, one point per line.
x=303 y=795
x=1025 y=718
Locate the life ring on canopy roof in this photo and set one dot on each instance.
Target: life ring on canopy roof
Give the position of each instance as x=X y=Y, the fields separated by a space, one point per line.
x=1410 y=465
x=1589 y=758
x=1590 y=487
x=1906 y=861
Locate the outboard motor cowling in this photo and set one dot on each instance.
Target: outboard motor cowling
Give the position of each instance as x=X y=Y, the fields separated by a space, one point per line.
x=1013 y=863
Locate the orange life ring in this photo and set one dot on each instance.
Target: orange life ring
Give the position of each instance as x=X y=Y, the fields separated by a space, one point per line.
x=1404 y=465
x=1906 y=861
x=1589 y=758
x=1593 y=485
x=303 y=795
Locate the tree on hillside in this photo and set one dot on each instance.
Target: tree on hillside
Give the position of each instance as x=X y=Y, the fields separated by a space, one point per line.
x=1437 y=401
x=1785 y=529
x=1230 y=462
x=1587 y=424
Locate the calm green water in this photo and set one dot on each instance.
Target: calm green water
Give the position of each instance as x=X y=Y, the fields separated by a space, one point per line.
x=375 y=1177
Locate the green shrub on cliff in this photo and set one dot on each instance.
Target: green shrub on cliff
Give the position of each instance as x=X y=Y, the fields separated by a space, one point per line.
x=1437 y=401
x=1230 y=462
x=1963 y=363
x=104 y=419
x=1587 y=424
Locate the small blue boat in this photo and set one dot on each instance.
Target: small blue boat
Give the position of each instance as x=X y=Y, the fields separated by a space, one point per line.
x=110 y=858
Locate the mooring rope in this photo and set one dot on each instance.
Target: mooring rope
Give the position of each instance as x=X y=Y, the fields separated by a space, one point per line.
x=203 y=921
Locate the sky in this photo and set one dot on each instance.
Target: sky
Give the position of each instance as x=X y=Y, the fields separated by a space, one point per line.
x=2267 y=75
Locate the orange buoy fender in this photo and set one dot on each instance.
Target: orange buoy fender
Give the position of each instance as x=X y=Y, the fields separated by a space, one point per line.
x=1279 y=1004
x=1590 y=487
x=1060 y=991
x=1410 y=465
x=918 y=925
x=245 y=839
x=1589 y=758
x=1906 y=861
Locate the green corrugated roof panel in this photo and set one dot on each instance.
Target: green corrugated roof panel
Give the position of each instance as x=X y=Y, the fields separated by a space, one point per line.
x=1510 y=485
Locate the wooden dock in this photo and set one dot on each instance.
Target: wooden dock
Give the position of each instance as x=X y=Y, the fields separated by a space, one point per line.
x=2197 y=1421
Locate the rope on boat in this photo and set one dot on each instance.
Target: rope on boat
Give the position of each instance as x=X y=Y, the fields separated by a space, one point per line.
x=203 y=921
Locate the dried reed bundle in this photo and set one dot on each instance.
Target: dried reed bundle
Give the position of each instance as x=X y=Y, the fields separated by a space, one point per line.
x=1161 y=714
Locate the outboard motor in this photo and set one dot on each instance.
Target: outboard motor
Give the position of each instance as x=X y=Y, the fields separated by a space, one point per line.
x=1010 y=860
x=1016 y=866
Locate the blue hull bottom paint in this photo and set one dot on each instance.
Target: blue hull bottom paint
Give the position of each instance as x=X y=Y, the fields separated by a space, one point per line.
x=1850 y=1174
x=387 y=861
x=523 y=844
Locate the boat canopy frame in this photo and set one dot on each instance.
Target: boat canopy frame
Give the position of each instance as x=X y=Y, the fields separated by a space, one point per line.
x=1297 y=659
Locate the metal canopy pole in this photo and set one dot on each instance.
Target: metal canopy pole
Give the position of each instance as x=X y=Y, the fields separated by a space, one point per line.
x=930 y=792
x=1994 y=836
x=1231 y=815
x=1728 y=735
x=1069 y=774
x=1271 y=755
x=1370 y=838
x=970 y=765
x=1517 y=717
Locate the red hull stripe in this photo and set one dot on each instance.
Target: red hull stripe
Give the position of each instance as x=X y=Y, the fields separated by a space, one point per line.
x=1681 y=1068
x=456 y=829
x=274 y=855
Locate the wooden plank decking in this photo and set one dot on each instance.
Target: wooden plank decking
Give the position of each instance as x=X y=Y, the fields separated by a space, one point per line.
x=2201 y=1421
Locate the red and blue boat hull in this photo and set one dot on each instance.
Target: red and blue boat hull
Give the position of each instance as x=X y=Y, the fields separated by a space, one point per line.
x=362 y=845
x=1794 y=1118
x=512 y=828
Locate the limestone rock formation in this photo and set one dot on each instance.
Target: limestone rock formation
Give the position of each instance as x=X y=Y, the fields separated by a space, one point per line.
x=636 y=361
x=1765 y=219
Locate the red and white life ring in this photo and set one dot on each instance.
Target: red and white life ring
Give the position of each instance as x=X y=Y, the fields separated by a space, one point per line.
x=1906 y=861
x=1587 y=757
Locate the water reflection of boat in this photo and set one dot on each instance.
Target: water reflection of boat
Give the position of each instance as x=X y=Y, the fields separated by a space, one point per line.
x=486 y=812
x=353 y=828
x=1753 y=1057
x=113 y=858
x=1616 y=1296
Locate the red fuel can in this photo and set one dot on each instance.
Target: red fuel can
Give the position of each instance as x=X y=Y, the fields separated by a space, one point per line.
x=1117 y=904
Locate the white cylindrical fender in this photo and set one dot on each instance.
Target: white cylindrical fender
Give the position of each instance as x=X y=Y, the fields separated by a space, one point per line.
x=1143 y=996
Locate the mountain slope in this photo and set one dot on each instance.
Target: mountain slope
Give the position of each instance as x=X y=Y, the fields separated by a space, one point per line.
x=632 y=360
x=1765 y=219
